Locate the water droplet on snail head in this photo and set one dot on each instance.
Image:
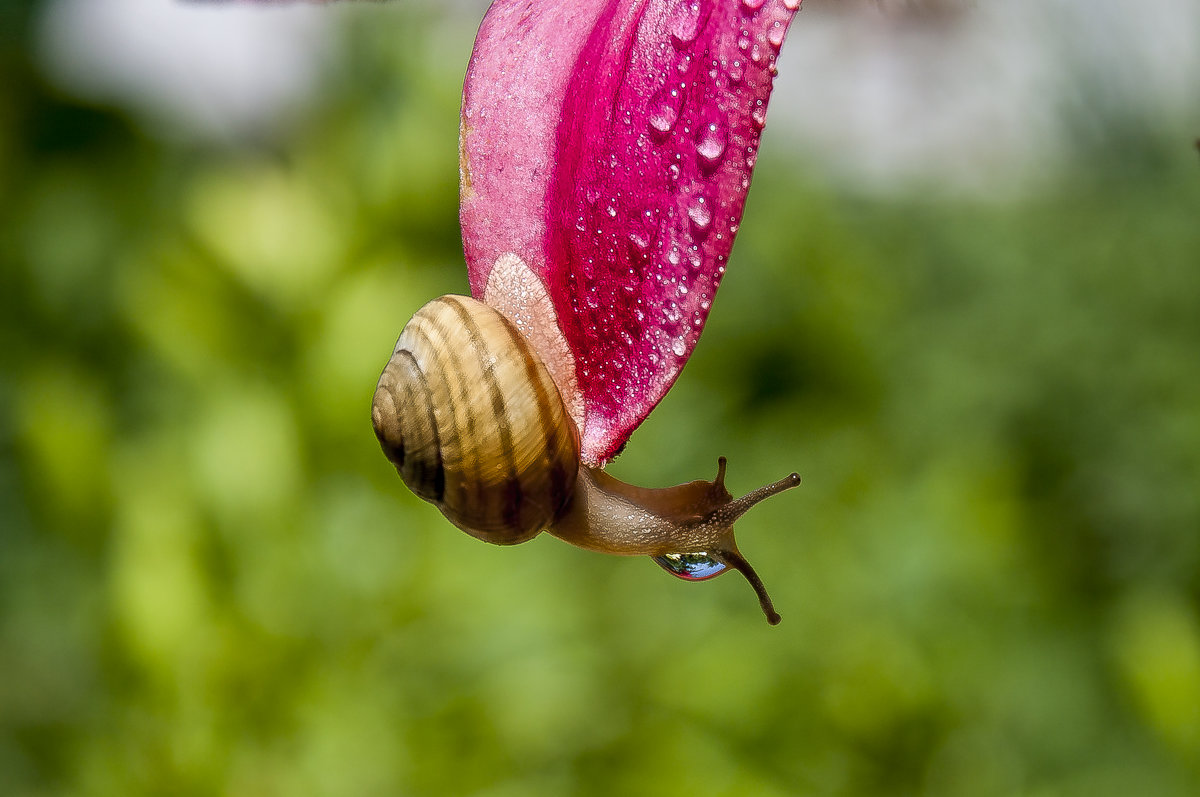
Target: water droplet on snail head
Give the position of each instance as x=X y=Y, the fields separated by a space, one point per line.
x=696 y=566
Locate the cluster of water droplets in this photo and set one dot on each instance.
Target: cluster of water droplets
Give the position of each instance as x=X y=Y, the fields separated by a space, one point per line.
x=721 y=132
x=696 y=141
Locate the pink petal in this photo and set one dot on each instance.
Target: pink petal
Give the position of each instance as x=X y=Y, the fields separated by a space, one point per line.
x=610 y=146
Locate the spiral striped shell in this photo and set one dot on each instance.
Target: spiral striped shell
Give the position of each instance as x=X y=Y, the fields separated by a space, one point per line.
x=474 y=424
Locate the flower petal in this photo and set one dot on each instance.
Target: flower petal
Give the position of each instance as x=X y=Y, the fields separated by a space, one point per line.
x=609 y=146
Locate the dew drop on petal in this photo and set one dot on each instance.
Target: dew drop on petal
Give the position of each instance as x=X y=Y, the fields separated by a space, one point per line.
x=664 y=109
x=775 y=35
x=752 y=5
x=672 y=313
x=678 y=347
x=686 y=24
x=700 y=216
x=711 y=145
x=759 y=114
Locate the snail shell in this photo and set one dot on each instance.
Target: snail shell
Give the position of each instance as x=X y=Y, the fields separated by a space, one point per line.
x=472 y=420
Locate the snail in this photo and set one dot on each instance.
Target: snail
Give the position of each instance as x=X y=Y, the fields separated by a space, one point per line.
x=470 y=417
x=605 y=152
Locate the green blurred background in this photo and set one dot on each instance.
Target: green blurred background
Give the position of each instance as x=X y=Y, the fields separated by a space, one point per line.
x=212 y=582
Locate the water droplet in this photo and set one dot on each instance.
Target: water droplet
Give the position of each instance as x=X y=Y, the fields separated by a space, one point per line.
x=711 y=145
x=756 y=53
x=758 y=114
x=678 y=347
x=775 y=35
x=612 y=212
x=791 y=5
x=743 y=42
x=664 y=109
x=673 y=169
x=700 y=215
x=752 y=5
x=685 y=63
x=672 y=313
x=696 y=566
x=686 y=24
x=673 y=256
x=736 y=73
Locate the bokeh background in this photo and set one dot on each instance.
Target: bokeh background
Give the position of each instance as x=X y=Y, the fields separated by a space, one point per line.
x=965 y=305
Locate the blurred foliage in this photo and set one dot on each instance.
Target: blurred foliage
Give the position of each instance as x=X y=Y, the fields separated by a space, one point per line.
x=211 y=582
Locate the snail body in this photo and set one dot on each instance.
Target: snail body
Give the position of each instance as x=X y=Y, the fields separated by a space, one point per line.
x=471 y=418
